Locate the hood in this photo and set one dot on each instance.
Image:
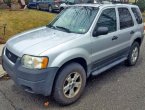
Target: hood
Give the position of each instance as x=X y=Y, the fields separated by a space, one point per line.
x=38 y=40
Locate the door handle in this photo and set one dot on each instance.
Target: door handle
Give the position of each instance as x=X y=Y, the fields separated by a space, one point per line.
x=132 y=32
x=114 y=38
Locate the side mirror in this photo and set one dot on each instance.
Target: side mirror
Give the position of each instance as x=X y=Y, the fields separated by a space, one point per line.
x=100 y=31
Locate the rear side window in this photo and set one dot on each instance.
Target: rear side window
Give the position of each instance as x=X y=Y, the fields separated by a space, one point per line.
x=125 y=18
x=108 y=19
x=137 y=15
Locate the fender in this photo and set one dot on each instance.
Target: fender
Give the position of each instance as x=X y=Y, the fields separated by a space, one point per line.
x=66 y=56
x=135 y=36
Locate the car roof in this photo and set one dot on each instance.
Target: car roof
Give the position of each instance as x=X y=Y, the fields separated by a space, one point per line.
x=106 y=5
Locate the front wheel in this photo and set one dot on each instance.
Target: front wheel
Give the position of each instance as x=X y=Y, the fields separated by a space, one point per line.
x=133 y=54
x=69 y=84
x=61 y=9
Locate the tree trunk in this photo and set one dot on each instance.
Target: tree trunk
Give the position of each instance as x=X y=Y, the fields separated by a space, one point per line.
x=1 y=1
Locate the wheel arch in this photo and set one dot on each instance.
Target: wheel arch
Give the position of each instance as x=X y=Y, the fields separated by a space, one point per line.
x=138 y=40
x=78 y=60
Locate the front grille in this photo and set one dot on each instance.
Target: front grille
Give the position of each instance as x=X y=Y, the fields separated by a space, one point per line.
x=12 y=57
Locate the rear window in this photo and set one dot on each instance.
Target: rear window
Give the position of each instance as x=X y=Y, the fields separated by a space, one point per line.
x=137 y=15
x=125 y=18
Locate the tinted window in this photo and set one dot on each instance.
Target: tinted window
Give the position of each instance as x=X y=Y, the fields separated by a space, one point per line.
x=71 y=1
x=137 y=15
x=125 y=18
x=108 y=19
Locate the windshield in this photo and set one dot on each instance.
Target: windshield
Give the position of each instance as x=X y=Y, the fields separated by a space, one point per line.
x=75 y=19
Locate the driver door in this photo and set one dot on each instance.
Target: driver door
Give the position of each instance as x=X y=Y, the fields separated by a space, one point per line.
x=105 y=48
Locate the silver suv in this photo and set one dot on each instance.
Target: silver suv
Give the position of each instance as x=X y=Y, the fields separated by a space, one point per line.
x=82 y=40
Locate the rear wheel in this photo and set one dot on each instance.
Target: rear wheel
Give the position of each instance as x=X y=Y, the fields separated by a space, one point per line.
x=133 y=54
x=69 y=84
x=50 y=8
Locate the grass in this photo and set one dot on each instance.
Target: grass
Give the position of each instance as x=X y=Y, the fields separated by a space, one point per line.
x=143 y=16
x=19 y=21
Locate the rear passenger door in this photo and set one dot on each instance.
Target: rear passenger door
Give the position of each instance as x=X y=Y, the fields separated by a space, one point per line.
x=126 y=29
x=43 y=4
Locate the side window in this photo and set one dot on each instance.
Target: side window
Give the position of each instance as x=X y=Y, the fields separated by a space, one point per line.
x=137 y=15
x=125 y=18
x=108 y=19
x=50 y=0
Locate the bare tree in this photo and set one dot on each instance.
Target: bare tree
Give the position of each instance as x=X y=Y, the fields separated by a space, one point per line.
x=22 y=3
x=136 y=1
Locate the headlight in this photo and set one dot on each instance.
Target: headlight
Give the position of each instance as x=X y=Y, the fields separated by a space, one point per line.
x=33 y=62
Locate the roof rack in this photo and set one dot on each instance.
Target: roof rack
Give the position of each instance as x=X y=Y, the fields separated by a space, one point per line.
x=112 y=1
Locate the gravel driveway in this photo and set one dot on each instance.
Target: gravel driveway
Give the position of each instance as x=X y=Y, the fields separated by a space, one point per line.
x=120 y=88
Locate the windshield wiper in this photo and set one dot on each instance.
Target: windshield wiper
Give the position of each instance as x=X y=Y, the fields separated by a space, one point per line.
x=59 y=27
x=67 y=30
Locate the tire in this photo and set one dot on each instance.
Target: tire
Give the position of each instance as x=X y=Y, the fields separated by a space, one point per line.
x=132 y=57
x=50 y=8
x=65 y=80
x=38 y=7
x=61 y=9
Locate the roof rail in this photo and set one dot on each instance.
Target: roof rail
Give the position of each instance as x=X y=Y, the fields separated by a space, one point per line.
x=112 y=2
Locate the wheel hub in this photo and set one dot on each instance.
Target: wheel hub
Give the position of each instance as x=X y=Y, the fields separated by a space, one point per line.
x=134 y=54
x=72 y=85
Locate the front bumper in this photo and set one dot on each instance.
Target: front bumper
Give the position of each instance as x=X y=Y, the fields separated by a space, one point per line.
x=33 y=81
